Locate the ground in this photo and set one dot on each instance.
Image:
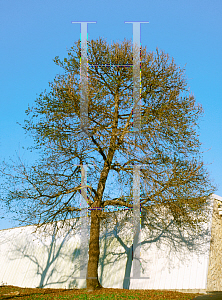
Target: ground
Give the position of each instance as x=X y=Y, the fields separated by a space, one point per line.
x=13 y=292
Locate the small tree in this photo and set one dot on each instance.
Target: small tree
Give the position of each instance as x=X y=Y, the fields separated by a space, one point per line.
x=174 y=179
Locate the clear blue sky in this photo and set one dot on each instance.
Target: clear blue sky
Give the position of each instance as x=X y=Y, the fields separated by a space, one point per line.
x=32 y=33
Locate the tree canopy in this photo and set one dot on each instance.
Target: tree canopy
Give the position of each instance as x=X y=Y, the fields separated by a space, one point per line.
x=173 y=178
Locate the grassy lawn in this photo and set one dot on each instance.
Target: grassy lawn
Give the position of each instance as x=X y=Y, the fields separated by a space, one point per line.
x=13 y=292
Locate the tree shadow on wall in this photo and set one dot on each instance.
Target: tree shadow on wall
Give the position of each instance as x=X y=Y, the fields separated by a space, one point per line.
x=53 y=243
x=178 y=242
x=115 y=232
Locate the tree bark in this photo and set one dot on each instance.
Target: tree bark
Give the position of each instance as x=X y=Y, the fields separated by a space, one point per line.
x=92 y=281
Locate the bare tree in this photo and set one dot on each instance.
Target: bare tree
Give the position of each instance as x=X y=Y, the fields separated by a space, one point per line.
x=174 y=179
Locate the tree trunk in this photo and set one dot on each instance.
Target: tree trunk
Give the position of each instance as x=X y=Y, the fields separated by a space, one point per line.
x=92 y=281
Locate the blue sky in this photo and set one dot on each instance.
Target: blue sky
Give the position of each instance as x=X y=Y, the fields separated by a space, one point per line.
x=32 y=33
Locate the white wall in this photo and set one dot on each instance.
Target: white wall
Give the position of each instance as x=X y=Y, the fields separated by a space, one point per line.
x=33 y=259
